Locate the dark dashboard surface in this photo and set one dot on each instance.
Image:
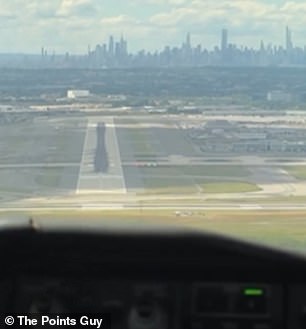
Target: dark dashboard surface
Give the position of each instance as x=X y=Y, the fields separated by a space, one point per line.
x=152 y=279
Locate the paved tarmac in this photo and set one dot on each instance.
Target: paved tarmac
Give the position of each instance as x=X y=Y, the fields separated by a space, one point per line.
x=101 y=169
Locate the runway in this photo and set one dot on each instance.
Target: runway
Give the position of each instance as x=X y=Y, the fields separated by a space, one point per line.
x=100 y=168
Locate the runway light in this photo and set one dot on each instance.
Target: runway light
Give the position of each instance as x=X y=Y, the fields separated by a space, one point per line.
x=253 y=292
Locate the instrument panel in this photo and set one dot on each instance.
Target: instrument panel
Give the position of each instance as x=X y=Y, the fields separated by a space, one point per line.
x=140 y=305
x=153 y=281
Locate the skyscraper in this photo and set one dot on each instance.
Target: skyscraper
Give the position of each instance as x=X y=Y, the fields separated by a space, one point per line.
x=123 y=46
x=111 y=45
x=188 y=41
x=289 y=44
x=224 y=40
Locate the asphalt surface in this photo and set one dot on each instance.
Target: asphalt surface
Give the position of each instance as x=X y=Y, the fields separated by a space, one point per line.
x=101 y=168
x=101 y=158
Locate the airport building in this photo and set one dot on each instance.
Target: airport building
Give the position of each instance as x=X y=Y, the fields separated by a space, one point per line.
x=73 y=94
x=279 y=96
x=222 y=136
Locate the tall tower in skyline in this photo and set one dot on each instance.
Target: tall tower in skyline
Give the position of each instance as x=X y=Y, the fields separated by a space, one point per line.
x=123 y=46
x=289 y=44
x=111 y=45
x=188 y=41
x=224 y=40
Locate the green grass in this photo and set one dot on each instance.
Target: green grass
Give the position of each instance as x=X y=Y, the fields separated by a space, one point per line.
x=144 y=157
x=229 y=187
x=135 y=134
x=172 y=190
x=50 y=145
x=294 y=199
x=166 y=185
x=219 y=171
x=68 y=146
x=198 y=170
x=141 y=141
x=160 y=171
x=188 y=185
x=298 y=172
x=49 y=177
x=143 y=147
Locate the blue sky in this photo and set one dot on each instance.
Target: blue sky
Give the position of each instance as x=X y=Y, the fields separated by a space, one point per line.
x=72 y=25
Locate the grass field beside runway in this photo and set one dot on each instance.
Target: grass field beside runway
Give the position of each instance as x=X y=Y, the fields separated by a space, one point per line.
x=45 y=141
x=148 y=143
x=140 y=140
x=285 y=229
x=298 y=172
x=290 y=199
x=173 y=140
x=220 y=171
x=196 y=170
x=153 y=138
x=168 y=185
x=37 y=180
x=196 y=179
x=48 y=177
x=27 y=148
x=188 y=185
x=66 y=144
x=229 y=187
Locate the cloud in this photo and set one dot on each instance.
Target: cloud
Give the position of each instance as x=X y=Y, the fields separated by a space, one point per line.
x=70 y=8
x=161 y=2
x=246 y=19
x=117 y=21
x=233 y=11
x=72 y=24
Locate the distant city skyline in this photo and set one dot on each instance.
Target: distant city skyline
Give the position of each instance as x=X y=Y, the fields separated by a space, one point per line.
x=223 y=44
x=114 y=52
x=226 y=39
x=70 y=25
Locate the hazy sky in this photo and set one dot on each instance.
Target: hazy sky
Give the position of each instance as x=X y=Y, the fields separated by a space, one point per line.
x=27 y=25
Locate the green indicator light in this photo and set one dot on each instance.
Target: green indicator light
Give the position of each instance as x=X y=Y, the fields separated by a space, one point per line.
x=253 y=292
